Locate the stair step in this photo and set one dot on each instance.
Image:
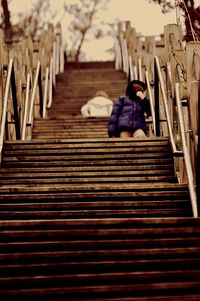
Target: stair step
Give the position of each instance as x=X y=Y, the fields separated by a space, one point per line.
x=98 y=195
x=87 y=151
x=102 y=278
x=87 y=217
x=70 y=163
x=23 y=171
x=93 y=205
x=90 y=187
x=52 y=244
x=83 y=213
x=109 y=142
x=84 y=174
x=94 y=290
x=93 y=180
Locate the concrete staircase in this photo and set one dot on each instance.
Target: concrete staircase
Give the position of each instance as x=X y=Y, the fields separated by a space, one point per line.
x=85 y=217
x=78 y=84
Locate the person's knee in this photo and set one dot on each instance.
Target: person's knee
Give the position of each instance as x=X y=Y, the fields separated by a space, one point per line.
x=125 y=134
x=139 y=133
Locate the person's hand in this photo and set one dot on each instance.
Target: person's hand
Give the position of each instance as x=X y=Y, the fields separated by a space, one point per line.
x=140 y=94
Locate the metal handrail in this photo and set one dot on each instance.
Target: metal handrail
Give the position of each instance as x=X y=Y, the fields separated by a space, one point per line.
x=134 y=73
x=188 y=164
x=45 y=93
x=57 y=62
x=124 y=53
x=50 y=83
x=54 y=64
x=140 y=69
x=118 y=56
x=62 y=60
x=131 y=68
x=33 y=92
x=52 y=76
x=28 y=81
x=185 y=152
x=169 y=124
x=48 y=87
x=5 y=104
x=126 y=56
x=151 y=101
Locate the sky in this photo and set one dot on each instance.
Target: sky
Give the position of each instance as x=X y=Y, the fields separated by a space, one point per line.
x=147 y=18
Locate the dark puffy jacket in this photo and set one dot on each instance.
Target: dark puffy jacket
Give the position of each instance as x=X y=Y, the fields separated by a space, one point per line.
x=128 y=114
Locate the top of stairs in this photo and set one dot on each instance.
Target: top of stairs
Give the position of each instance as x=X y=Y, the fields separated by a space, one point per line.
x=90 y=65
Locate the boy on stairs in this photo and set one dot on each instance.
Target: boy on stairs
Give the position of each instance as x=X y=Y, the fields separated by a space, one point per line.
x=129 y=112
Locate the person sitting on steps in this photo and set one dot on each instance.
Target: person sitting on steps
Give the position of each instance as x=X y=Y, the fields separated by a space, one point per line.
x=99 y=106
x=129 y=112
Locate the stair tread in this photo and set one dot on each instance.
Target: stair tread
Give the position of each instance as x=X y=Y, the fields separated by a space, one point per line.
x=87 y=217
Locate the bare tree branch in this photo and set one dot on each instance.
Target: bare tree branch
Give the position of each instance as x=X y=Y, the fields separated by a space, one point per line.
x=84 y=13
x=192 y=16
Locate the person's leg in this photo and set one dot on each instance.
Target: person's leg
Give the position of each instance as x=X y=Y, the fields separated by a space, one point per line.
x=139 y=134
x=125 y=134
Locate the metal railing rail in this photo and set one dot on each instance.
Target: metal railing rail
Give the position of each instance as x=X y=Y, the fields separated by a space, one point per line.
x=140 y=69
x=131 y=71
x=123 y=46
x=185 y=152
x=62 y=59
x=166 y=107
x=135 y=72
x=45 y=93
x=56 y=66
x=50 y=83
x=188 y=164
x=47 y=97
x=28 y=81
x=151 y=101
x=30 y=116
x=10 y=85
x=118 y=55
x=46 y=82
x=5 y=104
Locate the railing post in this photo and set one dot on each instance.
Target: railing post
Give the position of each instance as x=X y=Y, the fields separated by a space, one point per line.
x=198 y=153
x=23 y=135
x=151 y=101
x=45 y=93
x=50 y=83
x=14 y=98
x=5 y=103
x=156 y=100
x=40 y=92
x=30 y=118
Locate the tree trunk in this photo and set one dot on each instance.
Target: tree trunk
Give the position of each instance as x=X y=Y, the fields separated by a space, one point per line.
x=7 y=26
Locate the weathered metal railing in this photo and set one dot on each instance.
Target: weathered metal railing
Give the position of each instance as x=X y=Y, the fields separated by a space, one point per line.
x=188 y=164
x=34 y=92
x=10 y=83
x=144 y=63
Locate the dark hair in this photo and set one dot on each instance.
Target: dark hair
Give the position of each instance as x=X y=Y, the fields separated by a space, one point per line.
x=130 y=91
